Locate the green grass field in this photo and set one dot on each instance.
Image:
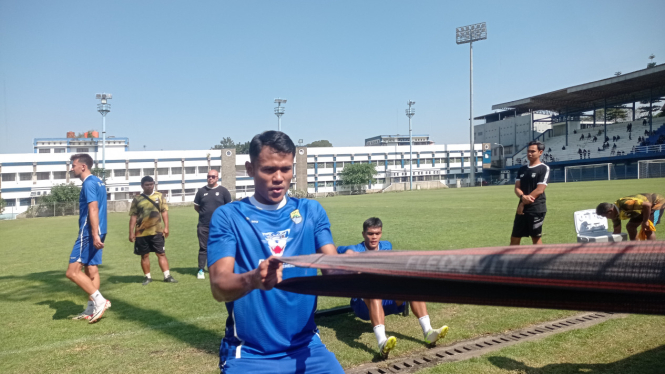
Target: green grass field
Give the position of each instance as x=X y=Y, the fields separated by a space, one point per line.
x=176 y=328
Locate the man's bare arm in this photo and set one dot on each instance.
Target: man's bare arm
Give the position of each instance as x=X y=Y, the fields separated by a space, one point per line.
x=93 y=215
x=535 y=193
x=646 y=214
x=226 y=286
x=132 y=225
x=165 y=218
x=197 y=208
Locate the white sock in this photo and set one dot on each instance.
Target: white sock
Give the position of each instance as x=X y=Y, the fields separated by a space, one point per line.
x=147 y=275
x=425 y=324
x=166 y=274
x=98 y=298
x=380 y=333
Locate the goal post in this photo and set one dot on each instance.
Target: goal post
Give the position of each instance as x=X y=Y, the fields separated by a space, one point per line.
x=651 y=169
x=592 y=172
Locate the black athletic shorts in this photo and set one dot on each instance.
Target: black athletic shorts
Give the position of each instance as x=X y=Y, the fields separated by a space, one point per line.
x=146 y=244
x=528 y=224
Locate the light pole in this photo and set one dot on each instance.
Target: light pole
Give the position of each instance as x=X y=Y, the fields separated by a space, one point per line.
x=410 y=113
x=470 y=34
x=104 y=108
x=501 y=152
x=279 y=112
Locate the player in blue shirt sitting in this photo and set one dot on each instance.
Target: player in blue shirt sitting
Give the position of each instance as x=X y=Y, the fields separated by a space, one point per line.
x=268 y=330
x=375 y=310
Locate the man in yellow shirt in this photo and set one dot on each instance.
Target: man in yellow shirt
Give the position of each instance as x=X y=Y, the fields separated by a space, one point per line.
x=638 y=210
x=148 y=227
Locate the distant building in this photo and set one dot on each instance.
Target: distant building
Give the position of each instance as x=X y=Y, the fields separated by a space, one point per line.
x=393 y=140
x=70 y=144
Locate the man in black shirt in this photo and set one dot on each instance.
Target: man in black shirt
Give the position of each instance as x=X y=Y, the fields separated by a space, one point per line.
x=530 y=189
x=208 y=198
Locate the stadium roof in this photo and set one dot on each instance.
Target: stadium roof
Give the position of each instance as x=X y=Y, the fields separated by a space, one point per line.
x=636 y=86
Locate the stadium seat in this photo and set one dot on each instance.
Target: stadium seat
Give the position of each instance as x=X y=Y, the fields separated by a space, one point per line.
x=592 y=228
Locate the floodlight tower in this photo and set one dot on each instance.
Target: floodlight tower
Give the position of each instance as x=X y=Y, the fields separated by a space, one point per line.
x=470 y=34
x=410 y=113
x=104 y=108
x=279 y=112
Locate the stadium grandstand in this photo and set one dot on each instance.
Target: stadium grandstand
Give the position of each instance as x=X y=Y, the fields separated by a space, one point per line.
x=616 y=121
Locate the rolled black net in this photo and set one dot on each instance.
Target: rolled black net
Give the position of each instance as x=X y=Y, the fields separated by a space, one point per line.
x=624 y=277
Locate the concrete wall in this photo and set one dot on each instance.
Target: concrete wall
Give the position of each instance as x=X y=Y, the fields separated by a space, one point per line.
x=427 y=185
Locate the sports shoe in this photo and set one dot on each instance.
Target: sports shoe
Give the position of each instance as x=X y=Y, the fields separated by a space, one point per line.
x=85 y=314
x=387 y=346
x=98 y=313
x=170 y=279
x=200 y=275
x=146 y=281
x=433 y=335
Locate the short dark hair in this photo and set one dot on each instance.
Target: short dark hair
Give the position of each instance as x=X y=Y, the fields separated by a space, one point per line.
x=145 y=179
x=541 y=146
x=82 y=158
x=603 y=208
x=372 y=222
x=276 y=140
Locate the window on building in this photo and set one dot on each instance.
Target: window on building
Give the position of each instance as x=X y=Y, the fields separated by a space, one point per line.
x=466 y=160
x=44 y=150
x=11 y=202
x=119 y=173
x=79 y=150
x=190 y=191
x=134 y=172
x=190 y=170
x=381 y=180
x=218 y=168
x=203 y=170
x=59 y=175
x=24 y=202
x=8 y=177
x=176 y=171
x=25 y=176
x=322 y=165
x=162 y=171
x=329 y=165
x=310 y=165
x=176 y=192
x=240 y=188
x=148 y=171
x=310 y=184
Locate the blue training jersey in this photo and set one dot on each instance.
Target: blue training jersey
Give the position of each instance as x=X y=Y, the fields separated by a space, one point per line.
x=93 y=189
x=268 y=323
x=384 y=245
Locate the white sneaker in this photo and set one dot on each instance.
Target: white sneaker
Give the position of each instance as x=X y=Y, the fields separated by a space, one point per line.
x=99 y=312
x=86 y=313
x=432 y=336
x=200 y=275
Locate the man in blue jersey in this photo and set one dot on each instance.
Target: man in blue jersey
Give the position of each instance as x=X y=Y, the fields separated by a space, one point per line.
x=268 y=330
x=87 y=250
x=375 y=310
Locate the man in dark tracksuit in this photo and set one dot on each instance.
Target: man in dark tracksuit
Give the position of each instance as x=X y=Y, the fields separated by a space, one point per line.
x=208 y=198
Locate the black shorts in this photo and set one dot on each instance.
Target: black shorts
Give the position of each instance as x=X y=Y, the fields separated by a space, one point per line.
x=528 y=224
x=146 y=244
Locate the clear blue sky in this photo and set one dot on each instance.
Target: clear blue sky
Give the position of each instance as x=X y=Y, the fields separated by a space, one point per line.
x=184 y=74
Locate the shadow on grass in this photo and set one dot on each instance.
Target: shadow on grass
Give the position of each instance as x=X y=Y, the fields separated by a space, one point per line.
x=348 y=329
x=124 y=279
x=63 y=309
x=37 y=285
x=647 y=362
x=186 y=271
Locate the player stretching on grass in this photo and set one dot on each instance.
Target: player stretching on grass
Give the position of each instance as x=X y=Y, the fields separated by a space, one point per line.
x=375 y=310
x=638 y=209
x=268 y=330
x=92 y=232
x=530 y=189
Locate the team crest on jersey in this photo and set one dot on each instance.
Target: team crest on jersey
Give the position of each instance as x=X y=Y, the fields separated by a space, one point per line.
x=533 y=175
x=296 y=217
x=216 y=193
x=277 y=241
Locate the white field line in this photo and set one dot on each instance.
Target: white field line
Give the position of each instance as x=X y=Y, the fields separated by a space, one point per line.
x=107 y=336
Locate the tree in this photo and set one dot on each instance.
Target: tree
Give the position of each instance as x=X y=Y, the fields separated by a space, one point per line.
x=319 y=143
x=241 y=148
x=63 y=193
x=356 y=176
x=651 y=64
x=613 y=114
x=99 y=173
x=3 y=204
x=83 y=134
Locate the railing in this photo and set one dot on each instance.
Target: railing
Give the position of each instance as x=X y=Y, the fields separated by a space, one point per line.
x=658 y=148
x=539 y=137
